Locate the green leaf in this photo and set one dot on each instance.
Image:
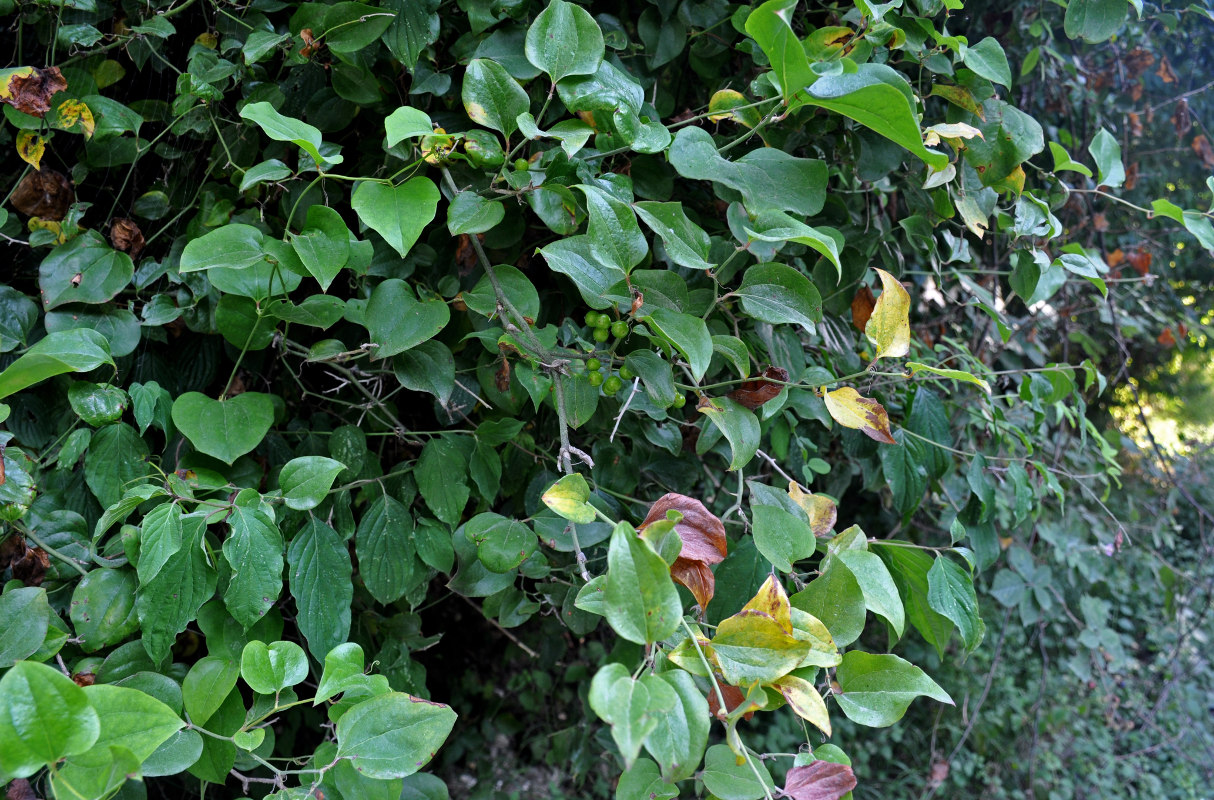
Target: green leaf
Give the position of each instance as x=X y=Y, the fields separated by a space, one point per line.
x=910 y=566
x=564 y=40
x=319 y=572
x=656 y=375
x=681 y=734
x=254 y=550
x=950 y=592
x=776 y=293
x=568 y=497
x=323 y=245
x=159 y=539
x=26 y=614
x=729 y=780
x=491 y=97
x=1063 y=161
x=97 y=403
x=632 y=707
x=170 y=601
x=687 y=334
x=769 y=26
x=613 y=233
x=18 y=314
x=407 y=123
x=776 y=226
x=877 y=689
x=232 y=246
x=117 y=459
x=1107 y=152
x=225 y=429
x=351 y=27
x=427 y=367
x=385 y=549
x=397 y=321
x=268 y=669
x=642 y=604
x=956 y=374
x=836 y=599
x=988 y=60
x=1094 y=20
x=78 y=350
x=880 y=591
x=686 y=242
x=1009 y=138
x=103 y=608
x=501 y=544
x=572 y=257
x=397 y=213
x=416 y=27
x=879 y=98
x=393 y=735
x=471 y=213
x=305 y=481
x=905 y=470
x=782 y=538
x=517 y=288
x=44 y=716
x=287 y=129
x=439 y=472
x=738 y=423
x=85 y=270
x=207 y=685
x=753 y=647
x=133 y=724
x=343 y=671
x=643 y=780
x=266 y=172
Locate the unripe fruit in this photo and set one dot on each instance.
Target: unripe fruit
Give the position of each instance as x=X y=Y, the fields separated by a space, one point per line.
x=603 y=322
x=600 y=334
x=520 y=164
x=595 y=378
x=593 y=364
x=619 y=329
x=592 y=318
x=679 y=401
x=626 y=374
x=612 y=385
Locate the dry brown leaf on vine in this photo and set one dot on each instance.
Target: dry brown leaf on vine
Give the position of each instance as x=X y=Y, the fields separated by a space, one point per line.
x=29 y=89
x=126 y=236
x=1182 y=120
x=852 y=410
x=821 y=780
x=1201 y=146
x=1140 y=260
x=757 y=391
x=46 y=193
x=1165 y=72
x=703 y=536
x=862 y=307
x=734 y=697
x=1138 y=61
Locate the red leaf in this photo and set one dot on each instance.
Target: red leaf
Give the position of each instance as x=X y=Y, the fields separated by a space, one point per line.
x=862 y=306
x=734 y=697
x=821 y=780
x=697 y=577
x=755 y=393
x=703 y=534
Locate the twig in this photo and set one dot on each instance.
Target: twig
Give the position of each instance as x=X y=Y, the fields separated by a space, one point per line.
x=636 y=383
x=777 y=468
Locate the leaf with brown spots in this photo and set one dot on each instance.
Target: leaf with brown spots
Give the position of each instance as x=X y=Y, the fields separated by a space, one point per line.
x=73 y=113
x=821 y=780
x=704 y=543
x=126 y=236
x=29 y=89
x=851 y=410
x=862 y=306
x=30 y=148
x=46 y=194
x=821 y=510
x=756 y=392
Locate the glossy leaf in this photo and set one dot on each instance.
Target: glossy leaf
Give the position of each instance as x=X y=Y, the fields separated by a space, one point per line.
x=305 y=481
x=777 y=293
x=397 y=213
x=269 y=669
x=393 y=735
x=564 y=40
x=77 y=350
x=848 y=408
x=492 y=97
x=642 y=604
x=225 y=429
x=44 y=716
x=877 y=689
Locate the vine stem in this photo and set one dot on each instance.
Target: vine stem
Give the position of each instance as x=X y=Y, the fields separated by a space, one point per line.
x=52 y=551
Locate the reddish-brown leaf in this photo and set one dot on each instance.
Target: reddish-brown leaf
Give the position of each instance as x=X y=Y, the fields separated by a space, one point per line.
x=756 y=392
x=1134 y=122
x=13 y=547
x=45 y=193
x=1138 y=61
x=126 y=236
x=1167 y=338
x=1165 y=72
x=30 y=568
x=1182 y=121
x=862 y=306
x=30 y=91
x=84 y=678
x=1201 y=146
x=704 y=543
x=20 y=789
x=1140 y=260
x=821 y=780
x=734 y=697
x=697 y=577
x=1131 y=176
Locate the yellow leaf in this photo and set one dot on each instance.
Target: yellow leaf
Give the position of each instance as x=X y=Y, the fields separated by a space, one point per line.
x=31 y=147
x=954 y=131
x=804 y=699
x=848 y=408
x=73 y=113
x=728 y=104
x=823 y=652
x=888 y=327
x=40 y=224
x=772 y=600
x=821 y=509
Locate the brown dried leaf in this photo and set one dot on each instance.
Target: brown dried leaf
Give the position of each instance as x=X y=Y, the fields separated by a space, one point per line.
x=1131 y=176
x=1182 y=120
x=697 y=577
x=1165 y=72
x=704 y=543
x=84 y=678
x=1100 y=222
x=1201 y=146
x=1138 y=61
x=1134 y=124
x=12 y=548
x=465 y=254
x=1167 y=338
x=46 y=194
x=1140 y=260
x=862 y=306
x=20 y=789
x=821 y=780
x=734 y=697
x=29 y=89
x=501 y=378
x=31 y=568
x=126 y=236
x=756 y=392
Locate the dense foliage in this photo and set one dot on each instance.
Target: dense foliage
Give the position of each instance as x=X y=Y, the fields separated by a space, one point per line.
x=507 y=398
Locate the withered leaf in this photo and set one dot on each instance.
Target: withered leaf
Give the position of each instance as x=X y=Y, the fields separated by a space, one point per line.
x=46 y=194
x=1165 y=71
x=757 y=391
x=11 y=548
x=734 y=697
x=29 y=89
x=704 y=543
x=84 y=678
x=821 y=510
x=1140 y=260
x=20 y=789
x=31 y=568
x=1182 y=120
x=851 y=410
x=821 y=780
x=1201 y=146
x=862 y=306
x=126 y=236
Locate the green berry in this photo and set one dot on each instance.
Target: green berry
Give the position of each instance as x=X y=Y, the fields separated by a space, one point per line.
x=679 y=401
x=593 y=364
x=612 y=385
x=626 y=374
x=619 y=329
x=520 y=164
x=603 y=322
x=592 y=318
x=595 y=378
x=600 y=334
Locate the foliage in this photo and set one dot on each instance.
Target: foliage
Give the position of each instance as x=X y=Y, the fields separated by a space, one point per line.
x=397 y=315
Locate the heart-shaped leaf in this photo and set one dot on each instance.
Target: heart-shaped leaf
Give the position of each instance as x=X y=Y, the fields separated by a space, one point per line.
x=225 y=429
x=397 y=321
x=397 y=213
